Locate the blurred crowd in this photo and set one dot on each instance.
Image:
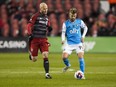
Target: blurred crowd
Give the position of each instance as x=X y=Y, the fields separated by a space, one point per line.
x=15 y=14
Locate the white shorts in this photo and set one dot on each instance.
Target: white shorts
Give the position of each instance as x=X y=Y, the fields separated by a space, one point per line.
x=76 y=47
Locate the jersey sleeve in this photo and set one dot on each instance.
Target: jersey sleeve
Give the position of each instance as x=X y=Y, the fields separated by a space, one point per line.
x=63 y=32
x=31 y=23
x=83 y=26
x=33 y=18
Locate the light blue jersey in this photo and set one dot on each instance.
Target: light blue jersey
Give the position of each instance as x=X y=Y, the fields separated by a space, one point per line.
x=73 y=31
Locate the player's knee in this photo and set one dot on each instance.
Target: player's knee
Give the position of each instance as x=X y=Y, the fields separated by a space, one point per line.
x=34 y=58
x=80 y=55
x=65 y=55
x=45 y=54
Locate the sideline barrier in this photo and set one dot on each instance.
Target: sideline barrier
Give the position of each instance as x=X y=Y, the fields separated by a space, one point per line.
x=91 y=44
x=98 y=44
x=13 y=45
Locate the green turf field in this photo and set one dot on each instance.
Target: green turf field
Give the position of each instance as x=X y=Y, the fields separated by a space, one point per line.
x=16 y=70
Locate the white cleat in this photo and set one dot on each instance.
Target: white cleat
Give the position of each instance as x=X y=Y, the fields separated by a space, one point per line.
x=65 y=68
x=83 y=77
x=47 y=76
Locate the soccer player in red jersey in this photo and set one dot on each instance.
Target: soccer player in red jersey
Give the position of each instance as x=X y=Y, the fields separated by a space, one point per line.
x=38 y=27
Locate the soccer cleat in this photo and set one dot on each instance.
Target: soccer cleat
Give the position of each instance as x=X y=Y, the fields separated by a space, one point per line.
x=47 y=76
x=83 y=77
x=33 y=59
x=65 y=68
x=30 y=57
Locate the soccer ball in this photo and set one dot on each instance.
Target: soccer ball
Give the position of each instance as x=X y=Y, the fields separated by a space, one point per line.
x=79 y=74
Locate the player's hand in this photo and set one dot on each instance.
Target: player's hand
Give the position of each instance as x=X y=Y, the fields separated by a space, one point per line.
x=49 y=28
x=30 y=38
x=48 y=44
x=82 y=40
x=29 y=29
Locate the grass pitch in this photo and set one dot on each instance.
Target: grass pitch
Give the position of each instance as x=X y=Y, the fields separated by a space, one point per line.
x=16 y=70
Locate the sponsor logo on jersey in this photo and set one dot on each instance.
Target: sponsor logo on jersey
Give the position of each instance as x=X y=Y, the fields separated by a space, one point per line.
x=74 y=30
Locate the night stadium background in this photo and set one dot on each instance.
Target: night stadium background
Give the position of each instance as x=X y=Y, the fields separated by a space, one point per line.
x=16 y=70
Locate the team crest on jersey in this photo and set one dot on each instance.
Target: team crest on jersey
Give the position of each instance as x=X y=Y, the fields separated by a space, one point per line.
x=78 y=25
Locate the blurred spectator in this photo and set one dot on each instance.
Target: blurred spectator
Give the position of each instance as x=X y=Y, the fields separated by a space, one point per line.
x=30 y=9
x=80 y=10
x=15 y=28
x=112 y=6
x=37 y=4
x=23 y=27
x=67 y=5
x=5 y=30
x=95 y=8
x=14 y=15
x=1 y=23
x=94 y=30
x=3 y=13
x=50 y=5
x=54 y=24
x=4 y=18
x=12 y=7
x=88 y=15
x=111 y=25
x=17 y=15
x=76 y=3
x=59 y=8
x=2 y=1
x=62 y=18
x=102 y=25
x=21 y=4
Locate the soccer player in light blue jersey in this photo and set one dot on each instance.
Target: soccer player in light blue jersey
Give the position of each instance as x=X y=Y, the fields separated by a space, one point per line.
x=72 y=39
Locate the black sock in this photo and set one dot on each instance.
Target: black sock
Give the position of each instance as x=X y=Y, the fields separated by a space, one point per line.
x=46 y=65
x=30 y=57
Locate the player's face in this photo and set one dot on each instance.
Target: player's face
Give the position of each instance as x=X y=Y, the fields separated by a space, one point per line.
x=72 y=16
x=44 y=9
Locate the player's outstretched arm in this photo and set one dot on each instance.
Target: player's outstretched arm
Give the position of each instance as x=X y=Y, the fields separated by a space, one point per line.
x=63 y=33
x=31 y=23
x=84 y=32
x=82 y=40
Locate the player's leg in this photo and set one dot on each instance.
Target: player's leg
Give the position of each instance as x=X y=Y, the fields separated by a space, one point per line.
x=31 y=57
x=46 y=64
x=67 y=50
x=80 y=54
x=65 y=59
x=33 y=50
x=81 y=61
x=29 y=46
x=44 y=50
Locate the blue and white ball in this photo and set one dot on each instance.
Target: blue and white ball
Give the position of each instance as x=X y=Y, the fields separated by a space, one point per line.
x=79 y=74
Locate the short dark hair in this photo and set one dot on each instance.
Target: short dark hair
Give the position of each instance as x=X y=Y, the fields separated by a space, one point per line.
x=73 y=10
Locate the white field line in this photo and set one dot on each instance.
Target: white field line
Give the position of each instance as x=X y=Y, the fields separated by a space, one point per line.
x=55 y=71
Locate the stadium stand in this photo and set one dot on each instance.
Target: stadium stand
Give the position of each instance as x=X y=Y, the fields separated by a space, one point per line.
x=14 y=16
